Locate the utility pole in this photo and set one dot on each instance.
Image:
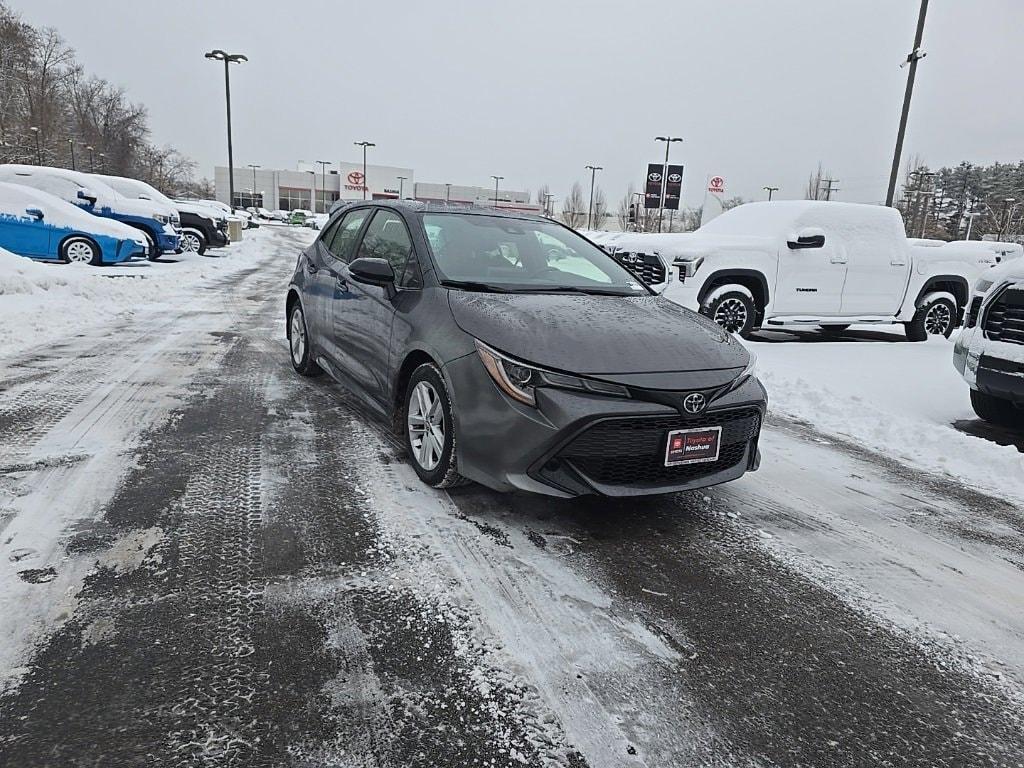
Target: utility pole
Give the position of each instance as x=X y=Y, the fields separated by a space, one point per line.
x=829 y=189
x=447 y=193
x=664 y=174
x=769 y=190
x=549 y=209
x=915 y=55
x=590 y=211
x=254 y=167
x=401 y=185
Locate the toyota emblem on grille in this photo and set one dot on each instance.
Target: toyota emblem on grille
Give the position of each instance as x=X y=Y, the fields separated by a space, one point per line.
x=694 y=402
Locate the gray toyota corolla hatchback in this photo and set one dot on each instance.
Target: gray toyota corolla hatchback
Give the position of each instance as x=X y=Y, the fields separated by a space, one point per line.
x=509 y=350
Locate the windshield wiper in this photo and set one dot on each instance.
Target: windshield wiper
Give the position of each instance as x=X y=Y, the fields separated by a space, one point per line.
x=470 y=285
x=578 y=289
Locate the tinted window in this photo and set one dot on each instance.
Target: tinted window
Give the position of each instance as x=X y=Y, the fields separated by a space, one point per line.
x=388 y=238
x=329 y=231
x=345 y=235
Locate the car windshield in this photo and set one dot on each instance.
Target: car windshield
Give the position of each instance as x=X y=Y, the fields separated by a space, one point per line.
x=500 y=254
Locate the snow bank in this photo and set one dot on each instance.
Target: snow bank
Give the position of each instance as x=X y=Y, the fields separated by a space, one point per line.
x=894 y=398
x=43 y=303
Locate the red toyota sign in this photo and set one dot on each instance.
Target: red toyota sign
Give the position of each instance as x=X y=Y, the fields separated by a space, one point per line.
x=716 y=184
x=356 y=178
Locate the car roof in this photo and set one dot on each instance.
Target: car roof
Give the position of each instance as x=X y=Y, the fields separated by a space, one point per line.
x=421 y=207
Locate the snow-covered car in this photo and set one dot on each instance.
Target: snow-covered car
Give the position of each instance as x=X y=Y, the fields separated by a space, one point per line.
x=299 y=216
x=807 y=263
x=989 y=352
x=42 y=226
x=317 y=220
x=157 y=222
x=280 y=215
x=236 y=214
x=201 y=226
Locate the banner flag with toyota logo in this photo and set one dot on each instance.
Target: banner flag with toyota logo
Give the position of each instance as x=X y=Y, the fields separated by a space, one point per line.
x=652 y=191
x=673 y=187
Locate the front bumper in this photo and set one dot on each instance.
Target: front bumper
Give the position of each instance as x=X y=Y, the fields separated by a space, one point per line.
x=575 y=443
x=992 y=367
x=218 y=238
x=167 y=240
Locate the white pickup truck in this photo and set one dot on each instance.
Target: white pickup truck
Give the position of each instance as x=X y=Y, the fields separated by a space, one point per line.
x=811 y=263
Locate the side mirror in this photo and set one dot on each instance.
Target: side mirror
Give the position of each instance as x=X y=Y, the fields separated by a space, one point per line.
x=35 y=213
x=87 y=195
x=372 y=271
x=808 y=237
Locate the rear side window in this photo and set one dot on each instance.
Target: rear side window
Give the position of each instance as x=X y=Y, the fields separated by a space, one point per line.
x=345 y=234
x=388 y=238
x=329 y=231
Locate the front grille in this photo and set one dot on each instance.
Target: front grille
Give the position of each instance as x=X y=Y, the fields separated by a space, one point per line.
x=1004 y=320
x=972 y=313
x=648 y=267
x=631 y=451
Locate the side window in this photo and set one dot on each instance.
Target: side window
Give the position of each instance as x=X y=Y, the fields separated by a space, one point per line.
x=329 y=231
x=388 y=238
x=345 y=234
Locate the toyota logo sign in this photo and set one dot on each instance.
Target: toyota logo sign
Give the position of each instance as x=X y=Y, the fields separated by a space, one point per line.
x=356 y=178
x=654 y=176
x=694 y=403
x=675 y=178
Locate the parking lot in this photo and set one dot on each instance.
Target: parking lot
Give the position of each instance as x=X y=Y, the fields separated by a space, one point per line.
x=206 y=559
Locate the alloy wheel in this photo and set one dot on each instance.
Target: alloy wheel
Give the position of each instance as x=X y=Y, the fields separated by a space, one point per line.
x=190 y=242
x=298 y=336
x=426 y=425
x=731 y=314
x=937 y=320
x=79 y=252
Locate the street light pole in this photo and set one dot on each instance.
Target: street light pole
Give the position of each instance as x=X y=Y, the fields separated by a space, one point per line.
x=401 y=185
x=228 y=59
x=769 y=190
x=254 y=167
x=364 y=145
x=71 y=146
x=92 y=158
x=664 y=175
x=496 y=180
x=39 y=151
x=915 y=55
x=590 y=211
x=447 y=193
x=323 y=172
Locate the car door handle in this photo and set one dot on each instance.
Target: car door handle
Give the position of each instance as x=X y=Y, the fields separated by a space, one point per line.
x=838 y=259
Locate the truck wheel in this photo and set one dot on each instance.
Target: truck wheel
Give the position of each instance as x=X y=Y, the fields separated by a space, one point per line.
x=79 y=250
x=733 y=309
x=996 y=410
x=935 y=317
x=193 y=241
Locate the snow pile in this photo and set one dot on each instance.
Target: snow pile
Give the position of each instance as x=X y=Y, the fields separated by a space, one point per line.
x=894 y=398
x=44 y=303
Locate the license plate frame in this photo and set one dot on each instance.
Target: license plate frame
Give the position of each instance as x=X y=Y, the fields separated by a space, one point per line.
x=696 y=445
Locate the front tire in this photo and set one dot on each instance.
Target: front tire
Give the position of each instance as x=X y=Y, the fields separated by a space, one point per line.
x=935 y=317
x=430 y=428
x=80 y=250
x=299 y=347
x=733 y=310
x=193 y=241
x=995 y=410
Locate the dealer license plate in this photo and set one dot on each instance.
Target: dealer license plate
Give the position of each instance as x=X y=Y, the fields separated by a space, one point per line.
x=693 y=446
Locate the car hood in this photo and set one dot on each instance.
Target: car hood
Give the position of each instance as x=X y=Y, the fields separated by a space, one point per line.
x=607 y=336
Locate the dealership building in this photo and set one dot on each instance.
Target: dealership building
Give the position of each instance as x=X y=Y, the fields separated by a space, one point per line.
x=287 y=190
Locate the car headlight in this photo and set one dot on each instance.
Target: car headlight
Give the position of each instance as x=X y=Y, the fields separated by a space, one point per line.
x=519 y=380
x=688 y=267
x=747 y=372
x=983 y=285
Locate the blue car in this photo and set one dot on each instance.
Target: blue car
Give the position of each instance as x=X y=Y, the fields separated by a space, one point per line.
x=41 y=226
x=156 y=222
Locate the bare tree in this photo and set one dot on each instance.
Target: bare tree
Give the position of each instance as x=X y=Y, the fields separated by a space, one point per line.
x=600 y=208
x=622 y=212
x=574 y=207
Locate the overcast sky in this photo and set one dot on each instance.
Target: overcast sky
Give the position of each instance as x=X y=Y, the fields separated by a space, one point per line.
x=534 y=91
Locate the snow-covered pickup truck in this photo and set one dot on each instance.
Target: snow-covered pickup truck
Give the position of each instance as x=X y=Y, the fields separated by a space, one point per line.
x=990 y=350
x=812 y=263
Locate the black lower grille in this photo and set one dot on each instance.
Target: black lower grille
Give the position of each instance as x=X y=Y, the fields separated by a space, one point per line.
x=648 y=267
x=632 y=451
x=1004 y=320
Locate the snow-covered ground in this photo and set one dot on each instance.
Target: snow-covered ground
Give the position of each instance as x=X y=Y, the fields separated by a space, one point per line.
x=889 y=396
x=42 y=303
